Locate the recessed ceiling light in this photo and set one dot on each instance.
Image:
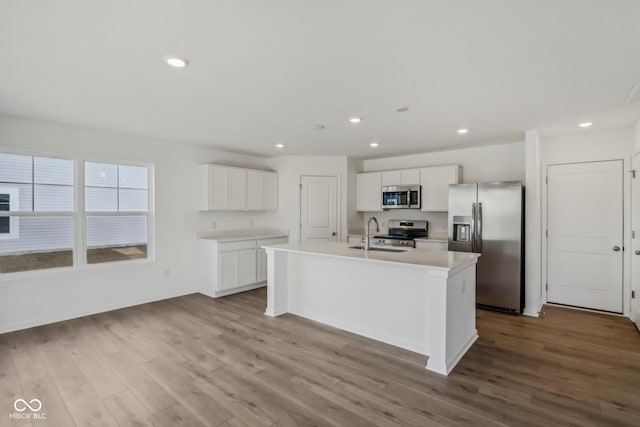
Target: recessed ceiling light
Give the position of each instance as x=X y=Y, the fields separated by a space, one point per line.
x=463 y=131
x=402 y=109
x=280 y=145
x=585 y=124
x=355 y=119
x=176 y=61
x=374 y=144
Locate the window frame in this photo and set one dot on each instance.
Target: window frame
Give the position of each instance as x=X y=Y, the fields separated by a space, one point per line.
x=14 y=222
x=79 y=217
x=149 y=213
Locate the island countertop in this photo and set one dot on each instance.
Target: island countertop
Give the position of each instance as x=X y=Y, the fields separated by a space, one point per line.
x=437 y=259
x=239 y=235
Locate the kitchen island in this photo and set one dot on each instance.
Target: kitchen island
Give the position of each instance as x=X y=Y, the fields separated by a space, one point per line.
x=419 y=300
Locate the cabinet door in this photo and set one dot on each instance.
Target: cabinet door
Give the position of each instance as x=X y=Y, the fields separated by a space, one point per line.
x=369 y=192
x=255 y=190
x=227 y=271
x=435 y=186
x=246 y=267
x=270 y=190
x=218 y=191
x=410 y=177
x=391 y=178
x=237 y=189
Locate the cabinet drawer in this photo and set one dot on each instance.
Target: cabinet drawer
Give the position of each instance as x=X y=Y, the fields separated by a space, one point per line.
x=236 y=246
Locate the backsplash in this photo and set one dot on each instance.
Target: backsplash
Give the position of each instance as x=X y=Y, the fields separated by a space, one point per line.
x=437 y=220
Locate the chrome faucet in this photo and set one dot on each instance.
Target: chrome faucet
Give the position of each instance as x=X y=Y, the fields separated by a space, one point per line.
x=366 y=232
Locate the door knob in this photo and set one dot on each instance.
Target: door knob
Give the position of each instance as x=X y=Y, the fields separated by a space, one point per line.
x=637 y=252
x=334 y=233
x=616 y=248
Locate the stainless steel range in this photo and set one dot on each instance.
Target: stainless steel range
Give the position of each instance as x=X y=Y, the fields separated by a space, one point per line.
x=402 y=233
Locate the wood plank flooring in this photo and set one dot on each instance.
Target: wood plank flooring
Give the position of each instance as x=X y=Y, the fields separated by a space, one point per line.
x=196 y=361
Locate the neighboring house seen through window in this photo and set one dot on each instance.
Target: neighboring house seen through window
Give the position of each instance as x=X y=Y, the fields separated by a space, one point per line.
x=36 y=213
x=117 y=212
x=42 y=226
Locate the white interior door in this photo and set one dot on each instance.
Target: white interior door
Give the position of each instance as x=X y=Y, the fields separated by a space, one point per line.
x=635 y=242
x=318 y=208
x=585 y=226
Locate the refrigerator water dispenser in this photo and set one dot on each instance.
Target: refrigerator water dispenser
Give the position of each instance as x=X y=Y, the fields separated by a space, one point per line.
x=461 y=229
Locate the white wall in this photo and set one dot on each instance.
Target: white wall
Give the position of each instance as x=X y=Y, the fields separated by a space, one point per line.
x=504 y=162
x=586 y=146
x=41 y=297
x=290 y=169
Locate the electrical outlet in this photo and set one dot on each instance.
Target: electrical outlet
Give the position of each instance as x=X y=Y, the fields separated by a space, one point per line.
x=250 y=223
x=167 y=272
x=213 y=225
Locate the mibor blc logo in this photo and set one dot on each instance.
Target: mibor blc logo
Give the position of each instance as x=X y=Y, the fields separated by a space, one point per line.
x=33 y=406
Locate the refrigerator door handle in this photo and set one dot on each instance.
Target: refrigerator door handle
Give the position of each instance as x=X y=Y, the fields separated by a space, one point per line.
x=479 y=229
x=472 y=232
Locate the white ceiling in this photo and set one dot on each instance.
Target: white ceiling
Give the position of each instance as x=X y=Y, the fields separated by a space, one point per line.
x=268 y=71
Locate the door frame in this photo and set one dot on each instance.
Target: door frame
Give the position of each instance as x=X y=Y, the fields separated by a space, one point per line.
x=626 y=227
x=634 y=304
x=338 y=204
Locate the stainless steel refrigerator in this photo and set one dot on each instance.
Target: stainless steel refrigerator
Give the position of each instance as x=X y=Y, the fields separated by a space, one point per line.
x=488 y=218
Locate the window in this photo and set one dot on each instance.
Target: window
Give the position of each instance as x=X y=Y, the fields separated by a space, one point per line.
x=36 y=213
x=8 y=202
x=42 y=226
x=117 y=211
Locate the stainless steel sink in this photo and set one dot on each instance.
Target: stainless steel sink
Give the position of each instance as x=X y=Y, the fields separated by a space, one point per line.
x=380 y=249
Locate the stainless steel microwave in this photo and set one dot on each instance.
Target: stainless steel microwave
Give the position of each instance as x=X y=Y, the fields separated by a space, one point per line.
x=401 y=197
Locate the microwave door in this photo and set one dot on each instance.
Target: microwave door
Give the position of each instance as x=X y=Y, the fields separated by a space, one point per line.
x=394 y=199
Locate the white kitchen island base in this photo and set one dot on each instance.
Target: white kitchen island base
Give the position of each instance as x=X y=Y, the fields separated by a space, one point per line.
x=421 y=300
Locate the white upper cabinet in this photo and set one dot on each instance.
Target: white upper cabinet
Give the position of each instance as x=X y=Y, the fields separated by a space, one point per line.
x=237 y=189
x=401 y=177
x=255 y=194
x=262 y=190
x=369 y=192
x=435 y=186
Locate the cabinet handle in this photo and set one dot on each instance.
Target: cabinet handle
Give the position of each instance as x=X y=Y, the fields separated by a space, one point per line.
x=616 y=248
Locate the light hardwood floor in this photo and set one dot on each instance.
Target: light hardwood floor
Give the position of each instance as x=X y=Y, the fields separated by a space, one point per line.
x=203 y=362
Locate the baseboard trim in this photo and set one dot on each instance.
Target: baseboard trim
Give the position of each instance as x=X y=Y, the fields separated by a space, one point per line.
x=463 y=350
x=17 y=326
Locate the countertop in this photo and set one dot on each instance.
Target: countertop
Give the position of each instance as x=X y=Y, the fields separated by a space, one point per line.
x=239 y=235
x=436 y=259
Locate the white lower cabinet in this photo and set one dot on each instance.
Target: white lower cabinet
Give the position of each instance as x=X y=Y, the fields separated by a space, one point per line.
x=229 y=267
x=247 y=267
x=228 y=271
